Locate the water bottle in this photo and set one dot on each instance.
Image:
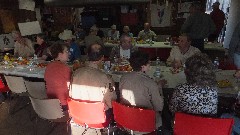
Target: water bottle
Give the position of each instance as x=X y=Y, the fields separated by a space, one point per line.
x=157 y=72
x=216 y=63
x=157 y=61
x=106 y=66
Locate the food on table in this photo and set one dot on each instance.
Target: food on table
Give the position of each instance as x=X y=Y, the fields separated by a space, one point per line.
x=175 y=70
x=126 y=68
x=224 y=83
x=23 y=62
x=140 y=41
x=77 y=64
x=42 y=65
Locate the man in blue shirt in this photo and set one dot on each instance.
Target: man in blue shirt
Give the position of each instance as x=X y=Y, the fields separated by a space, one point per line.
x=74 y=50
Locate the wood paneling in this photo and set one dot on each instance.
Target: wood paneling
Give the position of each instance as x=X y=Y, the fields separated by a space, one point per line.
x=7 y=21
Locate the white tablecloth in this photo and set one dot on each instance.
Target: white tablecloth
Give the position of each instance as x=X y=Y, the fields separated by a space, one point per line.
x=175 y=79
x=172 y=79
x=23 y=71
x=207 y=46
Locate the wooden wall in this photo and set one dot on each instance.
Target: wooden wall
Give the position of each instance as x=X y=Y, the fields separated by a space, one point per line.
x=10 y=15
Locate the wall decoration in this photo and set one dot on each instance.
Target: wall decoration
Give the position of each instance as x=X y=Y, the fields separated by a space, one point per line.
x=161 y=15
x=27 y=5
x=7 y=21
x=29 y=28
x=6 y=41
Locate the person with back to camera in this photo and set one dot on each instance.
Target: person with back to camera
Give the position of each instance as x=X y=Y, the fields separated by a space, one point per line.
x=89 y=83
x=138 y=89
x=199 y=95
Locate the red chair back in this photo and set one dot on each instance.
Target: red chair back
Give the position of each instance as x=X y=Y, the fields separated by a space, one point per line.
x=3 y=87
x=135 y=119
x=86 y=113
x=186 y=124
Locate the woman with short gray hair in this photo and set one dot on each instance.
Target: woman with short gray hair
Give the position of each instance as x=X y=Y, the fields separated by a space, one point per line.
x=199 y=94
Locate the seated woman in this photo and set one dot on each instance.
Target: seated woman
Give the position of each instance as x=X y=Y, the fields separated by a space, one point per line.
x=57 y=74
x=199 y=94
x=42 y=49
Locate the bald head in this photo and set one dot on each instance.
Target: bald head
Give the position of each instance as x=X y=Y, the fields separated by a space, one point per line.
x=125 y=42
x=146 y=26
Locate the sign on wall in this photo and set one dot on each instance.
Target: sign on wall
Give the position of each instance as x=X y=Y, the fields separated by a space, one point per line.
x=29 y=28
x=161 y=15
x=6 y=41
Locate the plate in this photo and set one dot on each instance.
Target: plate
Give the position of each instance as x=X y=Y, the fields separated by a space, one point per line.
x=120 y=72
x=175 y=71
x=224 y=83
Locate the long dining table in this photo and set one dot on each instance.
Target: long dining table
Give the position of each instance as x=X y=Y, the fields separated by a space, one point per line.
x=207 y=46
x=172 y=79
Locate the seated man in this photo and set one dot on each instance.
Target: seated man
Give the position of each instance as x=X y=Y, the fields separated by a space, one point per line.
x=124 y=49
x=91 y=84
x=137 y=89
x=180 y=53
x=113 y=34
x=147 y=34
x=92 y=37
x=74 y=49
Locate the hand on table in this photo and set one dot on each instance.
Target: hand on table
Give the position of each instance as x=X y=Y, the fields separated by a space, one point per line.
x=237 y=74
x=176 y=64
x=162 y=82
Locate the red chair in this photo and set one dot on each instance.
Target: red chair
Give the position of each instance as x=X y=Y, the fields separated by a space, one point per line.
x=186 y=124
x=225 y=65
x=3 y=87
x=88 y=114
x=135 y=119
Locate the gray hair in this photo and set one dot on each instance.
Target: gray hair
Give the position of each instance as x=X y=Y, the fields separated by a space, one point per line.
x=15 y=34
x=200 y=70
x=123 y=37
